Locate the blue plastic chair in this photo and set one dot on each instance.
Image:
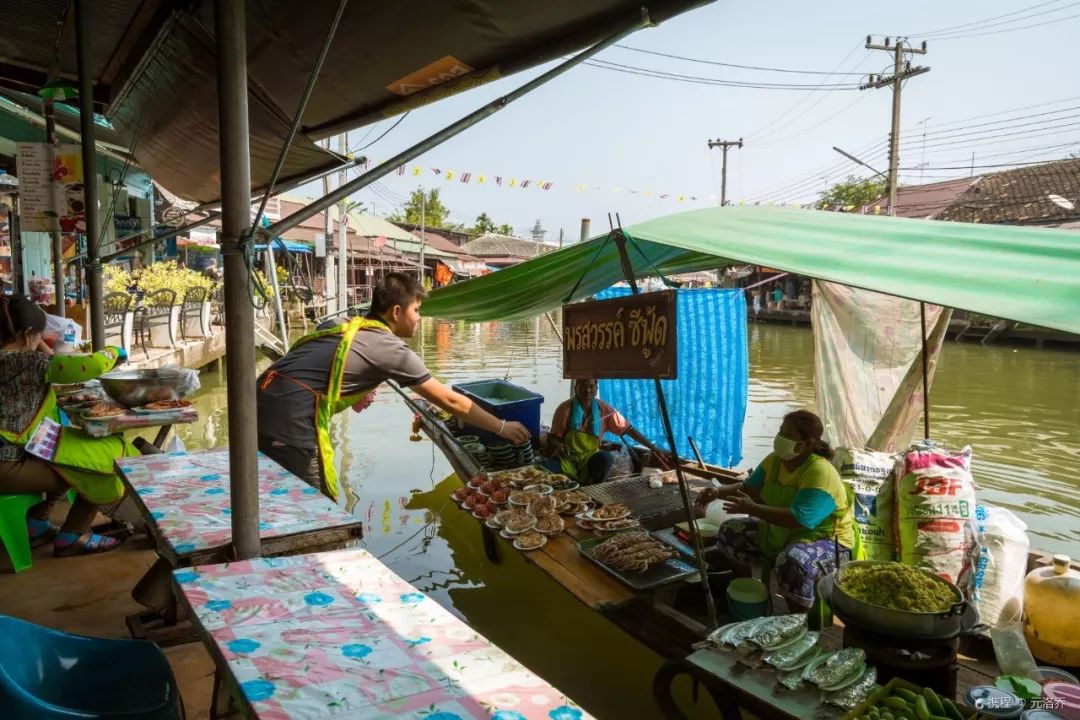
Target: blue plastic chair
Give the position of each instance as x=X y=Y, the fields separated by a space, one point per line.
x=50 y=675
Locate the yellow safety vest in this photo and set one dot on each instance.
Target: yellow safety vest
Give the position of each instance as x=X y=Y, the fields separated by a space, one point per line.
x=332 y=401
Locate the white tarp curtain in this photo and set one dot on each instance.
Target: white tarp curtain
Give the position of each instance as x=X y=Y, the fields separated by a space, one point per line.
x=868 y=364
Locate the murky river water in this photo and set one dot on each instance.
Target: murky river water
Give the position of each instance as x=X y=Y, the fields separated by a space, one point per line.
x=1018 y=408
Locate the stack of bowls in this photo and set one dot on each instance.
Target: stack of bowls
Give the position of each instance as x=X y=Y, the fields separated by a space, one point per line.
x=479 y=453
x=504 y=456
x=524 y=453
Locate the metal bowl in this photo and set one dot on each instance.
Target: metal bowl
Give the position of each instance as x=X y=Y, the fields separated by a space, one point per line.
x=961 y=617
x=134 y=388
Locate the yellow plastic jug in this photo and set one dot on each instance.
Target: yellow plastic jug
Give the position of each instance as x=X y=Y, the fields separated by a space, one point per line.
x=1052 y=612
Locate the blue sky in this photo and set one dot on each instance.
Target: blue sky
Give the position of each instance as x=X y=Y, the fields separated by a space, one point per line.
x=615 y=130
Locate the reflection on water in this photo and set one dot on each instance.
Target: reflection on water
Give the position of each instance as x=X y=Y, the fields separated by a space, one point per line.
x=1019 y=409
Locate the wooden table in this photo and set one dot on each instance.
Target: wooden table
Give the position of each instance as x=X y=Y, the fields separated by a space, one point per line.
x=338 y=635
x=184 y=498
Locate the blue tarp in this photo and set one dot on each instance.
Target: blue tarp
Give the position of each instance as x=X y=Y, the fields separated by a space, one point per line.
x=708 y=400
x=290 y=245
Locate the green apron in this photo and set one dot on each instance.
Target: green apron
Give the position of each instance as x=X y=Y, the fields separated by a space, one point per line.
x=580 y=446
x=332 y=401
x=86 y=463
x=774 y=538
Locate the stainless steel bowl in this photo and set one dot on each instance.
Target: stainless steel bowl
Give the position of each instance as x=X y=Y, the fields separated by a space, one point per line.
x=134 y=388
x=959 y=618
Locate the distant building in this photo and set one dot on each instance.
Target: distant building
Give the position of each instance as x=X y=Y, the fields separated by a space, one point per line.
x=501 y=251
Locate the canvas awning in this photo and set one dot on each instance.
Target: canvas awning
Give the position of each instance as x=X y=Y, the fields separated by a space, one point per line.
x=153 y=67
x=464 y=267
x=1029 y=275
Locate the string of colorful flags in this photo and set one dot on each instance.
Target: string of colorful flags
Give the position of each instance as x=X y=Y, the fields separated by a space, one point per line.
x=509 y=181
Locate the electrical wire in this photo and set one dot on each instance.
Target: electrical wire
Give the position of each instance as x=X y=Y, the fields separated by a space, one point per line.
x=732 y=65
x=1015 y=29
x=384 y=134
x=1001 y=125
x=859 y=98
x=717 y=82
x=984 y=116
x=980 y=26
x=952 y=28
x=769 y=130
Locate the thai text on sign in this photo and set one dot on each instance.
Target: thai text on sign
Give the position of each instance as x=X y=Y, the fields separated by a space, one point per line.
x=626 y=337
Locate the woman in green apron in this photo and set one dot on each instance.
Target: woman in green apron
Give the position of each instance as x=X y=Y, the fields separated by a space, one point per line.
x=27 y=401
x=797 y=511
x=579 y=424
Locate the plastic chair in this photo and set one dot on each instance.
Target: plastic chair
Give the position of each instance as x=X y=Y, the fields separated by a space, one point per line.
x=50 y=675
x=13 y=531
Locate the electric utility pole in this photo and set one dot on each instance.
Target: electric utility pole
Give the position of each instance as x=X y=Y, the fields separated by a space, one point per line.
x=724 y=145
x=902 y=49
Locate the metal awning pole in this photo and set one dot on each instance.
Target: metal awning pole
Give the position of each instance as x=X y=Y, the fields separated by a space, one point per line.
x=925 y=373
x=90 y=179
x=230 y=29
x=450 y=131
x=665 y=417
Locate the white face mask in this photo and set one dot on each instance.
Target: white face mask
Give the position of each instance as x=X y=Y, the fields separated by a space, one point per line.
x=784 y=447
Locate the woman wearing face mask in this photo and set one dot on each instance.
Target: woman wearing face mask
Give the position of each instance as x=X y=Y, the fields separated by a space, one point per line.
x=26 y=401
x=798 y=510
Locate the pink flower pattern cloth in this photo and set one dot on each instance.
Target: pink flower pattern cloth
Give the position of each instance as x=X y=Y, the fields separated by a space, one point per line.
x=339 y=635
x=187 y=495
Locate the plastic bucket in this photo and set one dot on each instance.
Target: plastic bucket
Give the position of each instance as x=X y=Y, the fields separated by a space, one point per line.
x=747 y=598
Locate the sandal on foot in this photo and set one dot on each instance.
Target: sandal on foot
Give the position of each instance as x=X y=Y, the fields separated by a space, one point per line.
x=70 y=544
x=41 y=532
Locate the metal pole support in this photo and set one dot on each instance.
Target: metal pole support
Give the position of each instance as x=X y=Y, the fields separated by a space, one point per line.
x=231 y=38
x=90 y=179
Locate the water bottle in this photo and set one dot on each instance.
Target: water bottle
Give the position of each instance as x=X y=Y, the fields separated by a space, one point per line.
x=69 y=335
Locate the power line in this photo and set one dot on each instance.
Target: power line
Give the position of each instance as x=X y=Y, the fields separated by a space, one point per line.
x=718 y=82
x=733 y=65
x=1009 y=30
x=858 y=98
x=813 y=176
x=384 y=134
x=983 y=116
x=996 y=123
x=761 y=134
x=1053 y=130
x=955 y=133
x=977 y=24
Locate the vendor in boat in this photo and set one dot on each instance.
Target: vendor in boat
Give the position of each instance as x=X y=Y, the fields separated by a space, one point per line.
x=27 y=401
x=798 y=511
x=339 y=367
x=579 y=424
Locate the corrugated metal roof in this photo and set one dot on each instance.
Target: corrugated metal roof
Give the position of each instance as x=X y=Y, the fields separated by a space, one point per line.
x=504 y=246
x=1046 y=194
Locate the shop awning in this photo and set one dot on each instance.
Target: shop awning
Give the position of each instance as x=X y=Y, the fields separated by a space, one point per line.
x=1029 y=275
x=464 y=267
x=290 y=246
x=153 y=66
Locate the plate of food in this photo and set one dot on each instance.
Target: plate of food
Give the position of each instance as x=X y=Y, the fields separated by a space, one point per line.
x=561 y=482
x=519 y=523
x=615 y=511
x=542 y=506
x=523 y=497
x=615 y=525
x=103 y=411
x=550 y=525
x=531 y=540
x=542 y=488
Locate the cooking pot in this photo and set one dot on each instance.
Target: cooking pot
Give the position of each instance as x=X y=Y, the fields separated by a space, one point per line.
x=961 y=618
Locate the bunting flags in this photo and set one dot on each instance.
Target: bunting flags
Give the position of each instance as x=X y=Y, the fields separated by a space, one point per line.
x=501 y=181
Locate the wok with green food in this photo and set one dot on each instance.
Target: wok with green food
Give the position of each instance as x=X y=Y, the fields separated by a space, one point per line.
x=897 y=599
x=898 y=586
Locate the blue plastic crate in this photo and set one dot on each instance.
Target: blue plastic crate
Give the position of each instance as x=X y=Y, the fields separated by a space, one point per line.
x=505 y=401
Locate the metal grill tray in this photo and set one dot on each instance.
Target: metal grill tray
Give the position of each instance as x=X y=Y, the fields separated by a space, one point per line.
x=669 y=571
x=644 y=502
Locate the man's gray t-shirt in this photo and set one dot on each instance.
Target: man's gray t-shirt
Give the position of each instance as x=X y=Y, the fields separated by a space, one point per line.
x=287 y=409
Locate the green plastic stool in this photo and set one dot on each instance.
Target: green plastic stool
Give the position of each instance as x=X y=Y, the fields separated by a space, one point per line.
x=13 y=527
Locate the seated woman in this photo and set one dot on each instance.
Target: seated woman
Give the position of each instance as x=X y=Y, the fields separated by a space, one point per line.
x=798 y=508
x=80 y=462
x=574 y=444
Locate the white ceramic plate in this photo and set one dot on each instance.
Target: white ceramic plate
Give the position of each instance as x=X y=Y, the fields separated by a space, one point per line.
x=519 y=546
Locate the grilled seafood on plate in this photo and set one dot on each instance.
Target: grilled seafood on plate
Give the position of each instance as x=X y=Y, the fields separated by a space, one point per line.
x=634 y=551
x=529 y=541
x=550 y=524
x=542 y=506
x=167 y=405
x=616 y=525
x=103 y=410
x=616 y=511
x=520 y=523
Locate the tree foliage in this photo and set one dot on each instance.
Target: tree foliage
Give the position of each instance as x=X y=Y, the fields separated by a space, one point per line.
x=423 y=208
x=852 y=192
x=506 y=229
x=484 y=224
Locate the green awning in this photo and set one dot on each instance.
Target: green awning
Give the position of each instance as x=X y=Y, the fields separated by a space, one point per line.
x=1029 y=275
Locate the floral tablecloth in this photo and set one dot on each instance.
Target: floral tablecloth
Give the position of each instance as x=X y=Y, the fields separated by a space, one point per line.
x=339 y=635
x=187 y=495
